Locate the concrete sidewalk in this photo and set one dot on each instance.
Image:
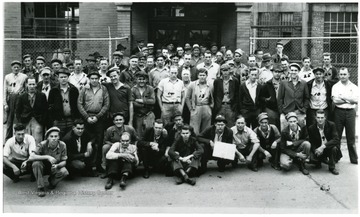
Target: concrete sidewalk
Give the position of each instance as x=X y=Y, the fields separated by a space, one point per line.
x=236 y=190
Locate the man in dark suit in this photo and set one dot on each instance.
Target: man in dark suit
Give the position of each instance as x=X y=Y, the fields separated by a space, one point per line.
x=46 y=84
x=294 y=144
x=324 y=141
x=153 y=147
x=31 y=110
x=225 y=99
x=249 y=99
x=217 y=132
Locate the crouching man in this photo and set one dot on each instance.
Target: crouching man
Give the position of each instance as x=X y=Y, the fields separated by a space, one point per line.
x=49 y=158
x=186 y=155
x=122 y=159
x=294 y=144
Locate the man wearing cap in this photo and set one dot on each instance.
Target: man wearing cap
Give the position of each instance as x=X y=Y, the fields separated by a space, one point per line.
x=259 y=58
x=152 y=148
x=120 y=98
x=306 y=74
x=91 y=64
x=270 y=138
x=93 y=105
x=17 y=150
x=294 y=145
x=249 y=99
x=113 y=134
x=103 y=69
x=49 y=158
x=46 y=84
x=29 y=69
x=56 y=64
x=325 y=142
x=144 y=100
x=79 y=146
x=269 y=96
x=196 y=58
x=331 y=73
x=14 y=84
x=119 y=61
x=320 y=96
x=175 y=60
x=97 y=57
x=187 y=65
x=150 y=47
x=247 y=144
x=225 y=99
x=266 y=70
x=219 y=58
x=123 y=159
x=171 y=95
x=239 y=68
x=144 y=51
x=345 y=95
x=187 y=48
x=67 y=56
x=199 y=97
x=142 y=61
x=128 y=76
x=140 y=45
x=70 y=66
x=63 y=99
x=293 y=97
x=31 y=110
x=207 y=138
x=212 y=68
x=279 y=53
x=78 y=78
x=213 y=49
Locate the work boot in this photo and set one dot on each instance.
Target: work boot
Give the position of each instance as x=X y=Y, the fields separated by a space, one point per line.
x=303 y=169
x=41 y=192
x=253 y=168
x=109 y=183
x=51 y=186
x=190 y=181
x=334 y=171
x=276 y=167
x=146 y=174
x=178 y=180
x=123 y=181
x=16 y=179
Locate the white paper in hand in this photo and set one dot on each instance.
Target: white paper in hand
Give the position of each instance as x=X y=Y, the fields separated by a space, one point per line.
x=224 y=150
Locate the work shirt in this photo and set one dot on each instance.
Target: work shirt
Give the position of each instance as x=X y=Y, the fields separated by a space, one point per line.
x=59 y=152
x=66 y=101
x=348 y=90
x=171 y=90
x=17 y=151
x=113 y=134
x=148 y=97
x=306 y=75
x=117 y=148
x=213 y=71
x=92 y=103
x=252 y=89
x=200 y=95
x=295 y=134
x=14 y=84
x=318 y=96
x=242 y=139
x=78 y=80
x=156 y=75
x=104 y=78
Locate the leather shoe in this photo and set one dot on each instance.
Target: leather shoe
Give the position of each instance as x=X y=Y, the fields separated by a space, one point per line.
x=51 y=186
x=178 y=180
x=41 y=192
x=190 y=181
x=146 y=174
x=276 y=167
x=255 y=169
x=123 y=182
x=103 y=176
x=334 y=171
x=354 y=162
x=304 y=171
x=109 y=183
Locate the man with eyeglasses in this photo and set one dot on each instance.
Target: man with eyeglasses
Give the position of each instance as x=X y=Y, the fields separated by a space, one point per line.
x=171 y=95
x=325 y=142
x=225 y=98
x=293 y=97
x=320 y=96
x=269 y=96
x=14 y=85
x=306 y=74
x=63 y=108
x=331 y=73
x=345 y=95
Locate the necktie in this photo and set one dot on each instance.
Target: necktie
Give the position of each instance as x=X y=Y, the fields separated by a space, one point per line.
x=32 y=101
x=293 y=136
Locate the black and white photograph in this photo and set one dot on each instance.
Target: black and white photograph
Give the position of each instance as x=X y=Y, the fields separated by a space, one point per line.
x=192 y=107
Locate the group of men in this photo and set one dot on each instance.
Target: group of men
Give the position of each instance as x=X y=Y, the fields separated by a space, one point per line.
x=168 y=109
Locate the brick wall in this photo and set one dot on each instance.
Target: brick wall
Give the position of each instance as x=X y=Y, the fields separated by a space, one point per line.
x=12 y=29
x=124 y=24
x=317 y=30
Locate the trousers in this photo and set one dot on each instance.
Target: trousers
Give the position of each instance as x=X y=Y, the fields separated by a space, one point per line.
x=42 y=168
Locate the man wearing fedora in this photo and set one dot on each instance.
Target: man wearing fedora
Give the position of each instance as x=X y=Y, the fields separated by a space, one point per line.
x=293 y=97
x=49 y=158
x=144 y=101
x=91 y=64
x=320 y=96
x=279 y=53
x=78 y=78
x=62 y=102
x=56 y=64
x=31 y=110
x=140 y=45
x=269 y=137
x=14 y=85
x=93 y=105
x=294 y=145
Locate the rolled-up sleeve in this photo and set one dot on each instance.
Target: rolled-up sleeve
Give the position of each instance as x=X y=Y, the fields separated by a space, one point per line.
x=111 y=155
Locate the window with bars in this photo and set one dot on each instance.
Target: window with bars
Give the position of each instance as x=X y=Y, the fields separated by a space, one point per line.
x=341 y=25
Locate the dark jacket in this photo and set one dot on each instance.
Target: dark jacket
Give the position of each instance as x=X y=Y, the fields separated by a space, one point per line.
x=128 y=77
x=185 y=149
x=193 y=72
x=328 y=87
x=149 y=137
x=24 y=111
x=330 y=133
x=292 y=97
x=56 y=111
x=267 y=91
x=40 y=84
x=71 y=145
x=209 y=134
x=285 y=136
x=245 y=100
x=219 y=94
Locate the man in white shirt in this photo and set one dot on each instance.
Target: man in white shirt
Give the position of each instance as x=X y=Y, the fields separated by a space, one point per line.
x=78 y=78
x=345 y=96
x=306 y=74
x=212 y=68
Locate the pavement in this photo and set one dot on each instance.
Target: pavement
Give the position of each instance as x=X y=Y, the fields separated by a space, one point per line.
x=237 y=190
